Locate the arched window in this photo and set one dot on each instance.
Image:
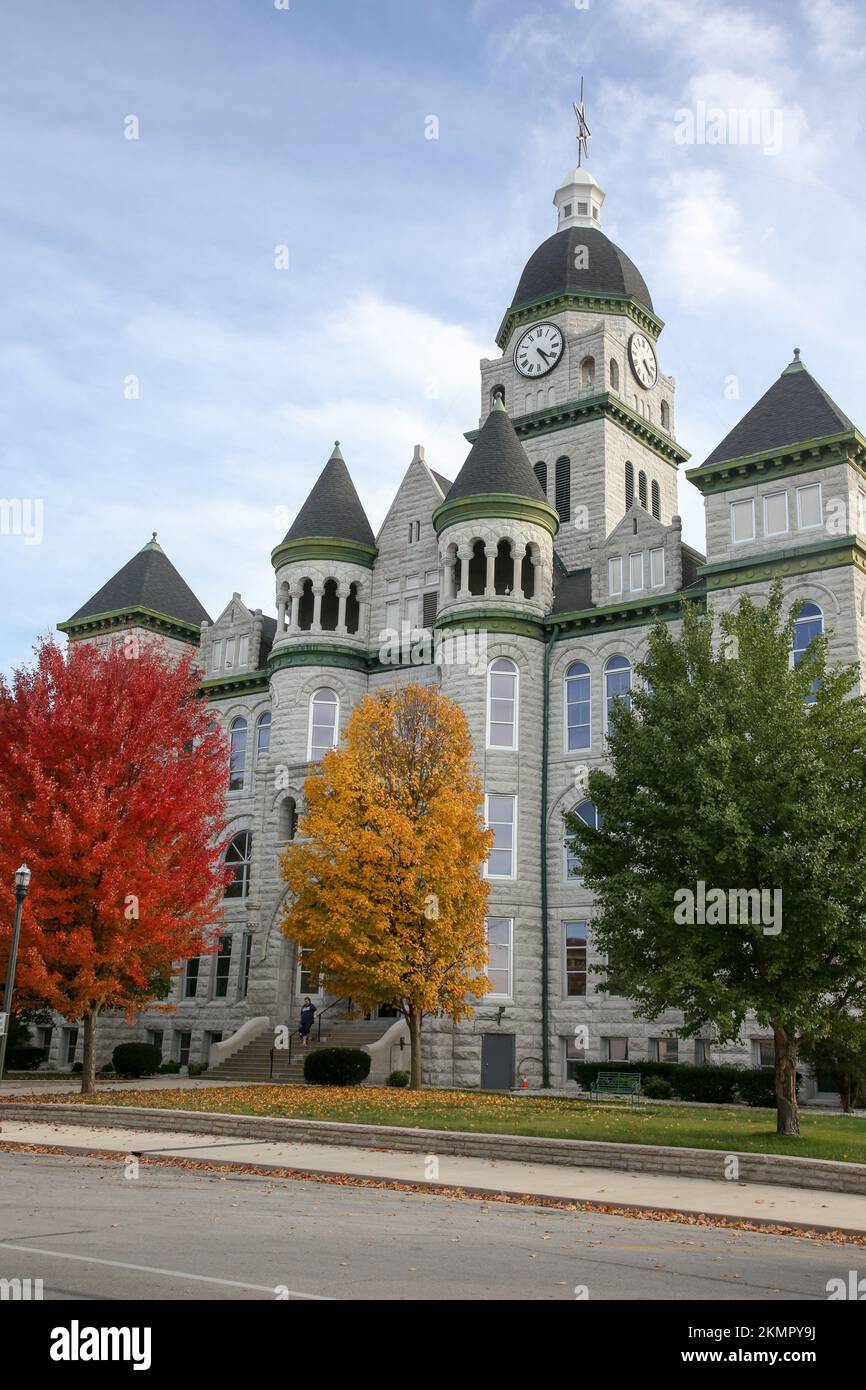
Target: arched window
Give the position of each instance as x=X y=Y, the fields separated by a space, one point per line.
x=324 y=711
x=288 y=819
x=503 y=569
x=587 y=372
x=353 y=609
x=263 y=734
x=617 y=685
x=477 y=568
x=666 y=416
x=578 y=733
x=540 y=471
x=657 y=500
x=330 y=609
x=306 y=605
x=629 y=483
x=563 y=488
x=589 y=815
x=502 y=704
x=497 y=393
x=808 y=626
x=237 y=754
x=238 y=857
x=614 y=374
x=641 y=488
x=527 y=573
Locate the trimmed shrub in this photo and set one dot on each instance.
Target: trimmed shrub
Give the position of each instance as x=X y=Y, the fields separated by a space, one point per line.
x=398 y=1078
x=657 y=1088
x=25 y=1058
x=107 y=1070
x=337 y=1066
x=715 y=1084
x=170 y=1068
x=196 y=1068
x=136 y=1059
x=77 y=1066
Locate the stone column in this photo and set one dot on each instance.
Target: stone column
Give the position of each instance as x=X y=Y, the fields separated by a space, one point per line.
x=463 y=591
x=490 y=584
x=317 y=608
x=295 y=596
x=342 y=596
x=281 y=614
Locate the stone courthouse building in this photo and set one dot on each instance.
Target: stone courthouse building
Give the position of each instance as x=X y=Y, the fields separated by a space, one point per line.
x=536 y=574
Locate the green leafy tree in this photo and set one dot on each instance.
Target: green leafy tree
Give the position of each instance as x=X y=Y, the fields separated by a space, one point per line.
x=841 y=1057
x=735 y=769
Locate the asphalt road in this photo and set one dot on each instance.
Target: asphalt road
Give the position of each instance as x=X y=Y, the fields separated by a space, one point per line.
x=89 y=1232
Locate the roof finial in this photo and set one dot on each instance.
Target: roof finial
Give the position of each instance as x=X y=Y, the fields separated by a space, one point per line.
x=796 y=354
x=583 y=131
x=153 y=537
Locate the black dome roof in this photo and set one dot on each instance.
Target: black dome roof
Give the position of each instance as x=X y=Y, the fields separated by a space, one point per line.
x=551 y=269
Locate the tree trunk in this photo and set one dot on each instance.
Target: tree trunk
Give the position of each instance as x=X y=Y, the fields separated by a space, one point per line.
x=415 y=1054
x=88 y=1070
x=787 y=1114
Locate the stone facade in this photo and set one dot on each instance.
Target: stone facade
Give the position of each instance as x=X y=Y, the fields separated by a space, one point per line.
x=581 y=601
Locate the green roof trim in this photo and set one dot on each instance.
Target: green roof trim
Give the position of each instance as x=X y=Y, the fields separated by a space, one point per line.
x=634 y=613
x=849 y=447
x=247 y=682
x=496 y=504
x=795 y=560
x=607 y=404
x=590 y=303
x=147 y=618
x=323 y=548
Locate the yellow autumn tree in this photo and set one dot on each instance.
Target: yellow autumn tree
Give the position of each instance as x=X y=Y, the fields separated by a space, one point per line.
x=386 y=895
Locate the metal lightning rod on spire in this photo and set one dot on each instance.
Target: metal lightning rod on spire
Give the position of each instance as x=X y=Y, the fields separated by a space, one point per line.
x=583 y=131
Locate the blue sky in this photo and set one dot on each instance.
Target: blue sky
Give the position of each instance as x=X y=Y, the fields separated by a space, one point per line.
x=262 y=127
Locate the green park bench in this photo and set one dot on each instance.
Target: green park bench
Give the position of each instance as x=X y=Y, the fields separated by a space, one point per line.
x=616 y=1083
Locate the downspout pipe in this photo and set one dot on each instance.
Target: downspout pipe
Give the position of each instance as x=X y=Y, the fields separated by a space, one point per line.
x=545 y=941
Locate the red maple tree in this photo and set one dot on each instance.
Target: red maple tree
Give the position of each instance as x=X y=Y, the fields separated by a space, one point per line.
x=112 y=788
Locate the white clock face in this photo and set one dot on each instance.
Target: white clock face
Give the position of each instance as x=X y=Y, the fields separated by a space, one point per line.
x=641 y=355
x=538 y=350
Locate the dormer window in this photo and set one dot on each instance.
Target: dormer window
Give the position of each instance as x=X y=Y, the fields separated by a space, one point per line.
x=583 y=209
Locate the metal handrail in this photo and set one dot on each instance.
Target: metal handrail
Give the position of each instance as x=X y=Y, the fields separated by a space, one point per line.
x=321 y=1013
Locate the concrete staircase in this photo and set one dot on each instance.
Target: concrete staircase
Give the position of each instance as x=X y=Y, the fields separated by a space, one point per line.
x=253 y=1062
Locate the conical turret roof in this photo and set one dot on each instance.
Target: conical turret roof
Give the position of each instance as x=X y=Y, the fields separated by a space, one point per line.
x=333 y=508
x=496 y=463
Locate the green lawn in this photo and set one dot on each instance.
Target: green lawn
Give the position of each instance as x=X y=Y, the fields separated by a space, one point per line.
x=731 y=1129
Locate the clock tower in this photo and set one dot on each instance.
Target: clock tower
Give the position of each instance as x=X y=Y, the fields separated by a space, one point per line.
x=581 y=379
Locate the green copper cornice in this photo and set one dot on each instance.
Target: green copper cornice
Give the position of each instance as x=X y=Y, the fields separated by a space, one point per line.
x=637 y=612
x=323 y=548
x=147 y=618
x=605 y=405
x=783 y=564
x=586 y=303
x=241 y=683
x=847 y=447
x=317 y=654
x=492 y=620
x=499 y=505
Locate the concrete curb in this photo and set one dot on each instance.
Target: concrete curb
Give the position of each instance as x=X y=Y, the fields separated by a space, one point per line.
x=439 y=1189
x=822 y=1174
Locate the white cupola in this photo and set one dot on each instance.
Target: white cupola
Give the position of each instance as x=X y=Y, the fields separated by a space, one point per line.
x=578 y=200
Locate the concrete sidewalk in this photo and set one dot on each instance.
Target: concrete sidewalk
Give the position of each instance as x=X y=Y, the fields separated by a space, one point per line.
x=698 y=1196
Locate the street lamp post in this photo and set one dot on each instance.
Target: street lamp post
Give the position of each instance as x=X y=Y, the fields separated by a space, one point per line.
x=22 y=883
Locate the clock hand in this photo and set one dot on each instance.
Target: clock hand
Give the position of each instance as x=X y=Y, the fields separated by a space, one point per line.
x=647 y=366
x=543 y=354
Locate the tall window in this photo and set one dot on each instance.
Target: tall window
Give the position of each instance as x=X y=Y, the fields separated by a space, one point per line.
x=324 y=708
x=809 y=625
x=656 y=494
x=666 y=416
x=629 y=483
x=222 y=968
x=809 y=507
x=540 y=471
x=574 y=934
x=239 y=856
x=589 y=815
x=237 y=754
x=617 y=684
x=577 y=707
x=288 y=819
x=743 y=521
x=499 y=956
x=563 y=488
x=614 y=575
x=641 y=488
x=614 y=374
x=263 y=734
x=502 y=683
x=501 y=815
x=246 y=958
x=190 y=977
